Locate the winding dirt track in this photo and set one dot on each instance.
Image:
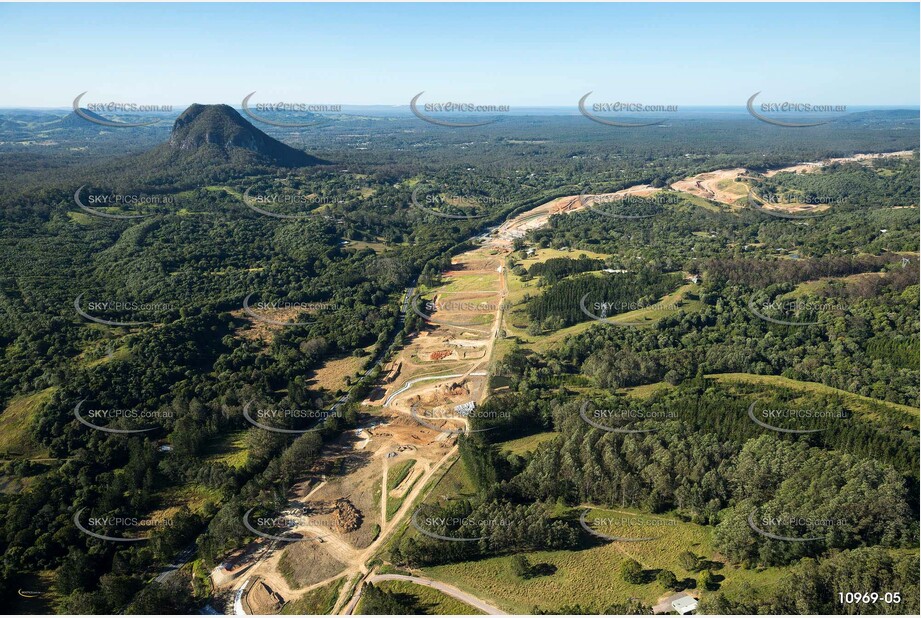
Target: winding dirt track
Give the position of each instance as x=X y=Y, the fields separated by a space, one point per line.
x=447 y=589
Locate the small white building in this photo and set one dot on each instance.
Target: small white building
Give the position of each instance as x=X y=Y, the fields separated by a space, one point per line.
x=684 y=605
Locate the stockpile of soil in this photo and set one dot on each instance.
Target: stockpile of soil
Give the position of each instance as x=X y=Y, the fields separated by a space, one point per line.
x=459 y=389
x=348 y=518
x=264 y=600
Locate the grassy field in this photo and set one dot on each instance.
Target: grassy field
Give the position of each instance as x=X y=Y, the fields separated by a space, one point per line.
x=185 y=212
x=668 y=305
x=229 y=448
x=393 y=505
x=42 y=582
x=516 y=319
x=544 y=343
x=814 y=285
x=526 y=444
x=306 y=563
x=423 y=371
x=470 y=282
x=541 y=255
x=645 y=391
x=517 y=288
x=81 y=217
x=376 y=247
x=501 y=348
x=731 y=185
x=425 y=600
x=16 y=424
x=122 y=352
x=332 y=375
x=318 y=601
x=396 y=474
x=865 y=405
x=192 y=495
x=701 y=202
x=228 y=190
x=454 y=484
x=592 y=575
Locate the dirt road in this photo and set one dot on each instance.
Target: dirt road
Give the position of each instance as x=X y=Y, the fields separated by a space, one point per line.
x=447 y=589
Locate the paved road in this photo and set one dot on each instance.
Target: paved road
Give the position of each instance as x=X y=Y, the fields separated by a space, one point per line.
x=409 y=384
x=238 y=599
x=403 y=310
x=181 y=560
x=449 y=590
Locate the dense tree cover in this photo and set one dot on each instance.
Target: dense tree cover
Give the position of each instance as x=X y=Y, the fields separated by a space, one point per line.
x=813 y=587
x=189 y=372
x=631 y=572
x=725 y=336
x=685 y=232
x=760 y=273
x=705 y=460
x=554 y=269
x=860 y=503
x=378 y=602
x=717 y=425
x=485 y=529
x=852 y=485
x=606 y=295
x=845 y=186
x=115 y=592
x=193 y=369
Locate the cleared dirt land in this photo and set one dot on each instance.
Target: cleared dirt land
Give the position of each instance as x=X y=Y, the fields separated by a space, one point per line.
x=339 y=510
x=347 y=508
x=816 y=165
x=729 y=187
x=718 y=186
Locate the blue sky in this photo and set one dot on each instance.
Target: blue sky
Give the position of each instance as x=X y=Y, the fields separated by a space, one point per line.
x=511 y=54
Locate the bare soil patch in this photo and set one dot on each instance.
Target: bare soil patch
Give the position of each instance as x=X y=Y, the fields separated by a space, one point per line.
x=805 y=168
x=308 y=562
x=717 y=186
x=261 y=599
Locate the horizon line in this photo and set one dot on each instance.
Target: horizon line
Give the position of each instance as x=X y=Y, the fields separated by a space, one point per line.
x=511 y=106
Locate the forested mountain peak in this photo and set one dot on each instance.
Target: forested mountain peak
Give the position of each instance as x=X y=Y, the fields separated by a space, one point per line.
x=79 y=121
x=221 y=132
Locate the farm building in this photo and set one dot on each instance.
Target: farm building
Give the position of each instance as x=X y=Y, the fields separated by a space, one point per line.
x=684 y=604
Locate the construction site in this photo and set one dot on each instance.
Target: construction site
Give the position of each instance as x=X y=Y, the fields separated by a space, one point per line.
x=346 y=507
